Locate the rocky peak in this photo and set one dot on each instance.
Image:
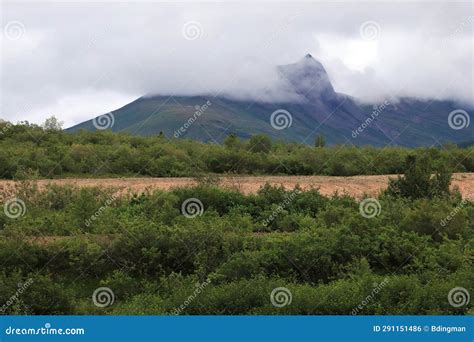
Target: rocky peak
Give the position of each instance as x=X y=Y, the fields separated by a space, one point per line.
x=308 y=78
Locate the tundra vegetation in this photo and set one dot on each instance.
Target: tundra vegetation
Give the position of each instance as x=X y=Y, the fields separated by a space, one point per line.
x=51 y=152
x=65 y=242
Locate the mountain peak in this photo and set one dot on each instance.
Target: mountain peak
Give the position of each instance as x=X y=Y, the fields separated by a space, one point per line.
x=309 y=78
x=316 y=109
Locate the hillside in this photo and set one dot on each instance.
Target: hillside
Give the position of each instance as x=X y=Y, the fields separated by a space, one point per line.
x=320 y=111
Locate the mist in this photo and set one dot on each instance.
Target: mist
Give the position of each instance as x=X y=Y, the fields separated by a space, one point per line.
x=78 y=60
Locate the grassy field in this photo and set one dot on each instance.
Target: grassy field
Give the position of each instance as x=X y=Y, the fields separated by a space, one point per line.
x=356 y=186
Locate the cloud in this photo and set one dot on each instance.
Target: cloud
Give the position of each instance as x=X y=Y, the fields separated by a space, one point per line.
x=79 y=60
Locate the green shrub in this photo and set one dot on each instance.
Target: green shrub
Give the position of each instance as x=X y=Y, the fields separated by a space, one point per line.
x=154 y=258
x=418 y=182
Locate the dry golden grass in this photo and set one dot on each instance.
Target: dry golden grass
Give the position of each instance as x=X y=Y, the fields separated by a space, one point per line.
x=356 y=186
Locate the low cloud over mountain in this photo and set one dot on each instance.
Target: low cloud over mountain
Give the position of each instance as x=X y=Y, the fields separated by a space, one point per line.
x=314 y=108
x=75 y=60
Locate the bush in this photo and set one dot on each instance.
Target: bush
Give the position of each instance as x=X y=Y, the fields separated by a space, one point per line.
x=33 y=294
x=53 y=153
x=154 y=258
x=418 y=182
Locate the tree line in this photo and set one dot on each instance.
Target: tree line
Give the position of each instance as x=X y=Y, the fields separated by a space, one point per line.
x=50 y=152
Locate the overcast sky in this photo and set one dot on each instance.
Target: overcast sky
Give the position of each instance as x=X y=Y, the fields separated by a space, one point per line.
x=79 y=60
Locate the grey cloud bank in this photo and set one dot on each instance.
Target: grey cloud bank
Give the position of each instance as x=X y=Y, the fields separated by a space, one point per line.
x=78 y=60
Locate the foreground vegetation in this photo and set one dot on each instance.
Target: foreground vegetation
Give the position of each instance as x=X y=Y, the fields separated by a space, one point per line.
x=209 y=250
x=54 y=153
x=154 y=254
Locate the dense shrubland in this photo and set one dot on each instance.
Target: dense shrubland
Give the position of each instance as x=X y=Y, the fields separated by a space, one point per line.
x=53 y=153
x=60 y=244
x=152 y=256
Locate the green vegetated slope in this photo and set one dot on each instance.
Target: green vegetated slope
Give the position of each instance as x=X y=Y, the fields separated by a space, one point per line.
x=54 y=153
x=150 y=116
x=408 y=123
x=156 y=255
x=315 y=108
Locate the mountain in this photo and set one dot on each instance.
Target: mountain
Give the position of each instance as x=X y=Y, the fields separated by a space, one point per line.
x=319 y=110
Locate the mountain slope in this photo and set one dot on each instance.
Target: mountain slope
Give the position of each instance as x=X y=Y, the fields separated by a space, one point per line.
x=321 y=110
